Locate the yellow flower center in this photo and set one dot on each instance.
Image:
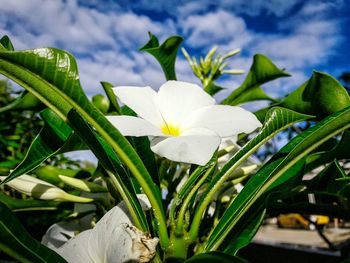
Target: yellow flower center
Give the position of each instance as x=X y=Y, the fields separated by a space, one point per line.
x=169 y=129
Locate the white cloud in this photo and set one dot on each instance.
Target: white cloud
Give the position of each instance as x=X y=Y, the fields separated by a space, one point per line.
x=214 y=27
x=106 y=42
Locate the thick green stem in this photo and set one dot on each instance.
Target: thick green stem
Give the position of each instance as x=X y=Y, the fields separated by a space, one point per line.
x=180 y=219
x=178 y=247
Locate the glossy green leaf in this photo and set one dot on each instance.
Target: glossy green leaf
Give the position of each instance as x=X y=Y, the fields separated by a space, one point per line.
x=6 y=43
x=321 y=95
x=50 y=139
x=213 y=88
x=255 y=93
x=261 y=72
x=16 y=242
x=111 y=96
x=245 y=233
x=277 y=169
x=261 y=114
x=31 y=204
x=142 y=146
x=215 y=257
x=52 y=76
x=340 y=151
x=165 y=54
x=112 y=165
x=25 y=101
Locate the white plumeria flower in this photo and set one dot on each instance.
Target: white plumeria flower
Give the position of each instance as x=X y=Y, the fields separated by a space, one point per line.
x=114 y=239
x=186 y=124
x=37 y=188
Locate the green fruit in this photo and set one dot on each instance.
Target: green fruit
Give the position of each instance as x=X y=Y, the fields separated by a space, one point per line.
x=101 y=102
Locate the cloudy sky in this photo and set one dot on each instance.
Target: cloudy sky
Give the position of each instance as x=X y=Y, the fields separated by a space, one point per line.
x=104 y=36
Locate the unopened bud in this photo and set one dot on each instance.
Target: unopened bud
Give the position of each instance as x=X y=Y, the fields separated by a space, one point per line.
x=40 y=189
x=82 y=185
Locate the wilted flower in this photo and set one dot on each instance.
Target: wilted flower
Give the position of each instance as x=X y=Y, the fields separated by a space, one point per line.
x=113 y=239
x=183 y=120
x=37 y=188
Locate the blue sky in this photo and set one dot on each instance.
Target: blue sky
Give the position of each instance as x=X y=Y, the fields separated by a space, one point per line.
x=105 y=35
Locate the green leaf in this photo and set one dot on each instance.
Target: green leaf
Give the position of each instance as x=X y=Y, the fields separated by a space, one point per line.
x=165 y=54
x=276 y=169
x=6 y=43
x=321 y=95
x=112 y=165
x=52 y=76
x=215 y=257
x=245 y=233
x=261 y=114
x=25 y=101
x=50 y=139
x=142 y=146
x=212 y=88
x=261 y=72
x=327 y=181
x=16 y=242
x=255 y=93
x=31 y=204
x=340 y=151
x=111 y=96
x=277 y=119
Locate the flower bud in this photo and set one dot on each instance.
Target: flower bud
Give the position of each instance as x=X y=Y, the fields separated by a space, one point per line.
x=82 y=185
x=40 y=189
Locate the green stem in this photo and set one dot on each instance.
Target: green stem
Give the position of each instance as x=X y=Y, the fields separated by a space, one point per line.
x=180 y=219
x=178 y=247
x=207 y=197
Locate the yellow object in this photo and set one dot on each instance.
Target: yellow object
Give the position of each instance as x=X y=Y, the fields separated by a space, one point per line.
x=292 y=221
x=322 y=220
x=169 y=129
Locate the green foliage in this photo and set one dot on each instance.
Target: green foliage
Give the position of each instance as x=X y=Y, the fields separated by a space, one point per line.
x=278 y=170
x=18 y=129
x=321 y=95
x=261 y=72
x=127 y=166
x=165 y=53
x=50 y=139
x=16 y=241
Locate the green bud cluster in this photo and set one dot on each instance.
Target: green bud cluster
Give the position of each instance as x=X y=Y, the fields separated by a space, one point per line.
x=209 y=68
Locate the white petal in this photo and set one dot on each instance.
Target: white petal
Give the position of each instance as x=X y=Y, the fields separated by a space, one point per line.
x=134 y=126
x=193 y=146
x=76 y=249
x=58 y=234
x=142 y=100
x=176 y=99
x=113 y=239
x=222 y=119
